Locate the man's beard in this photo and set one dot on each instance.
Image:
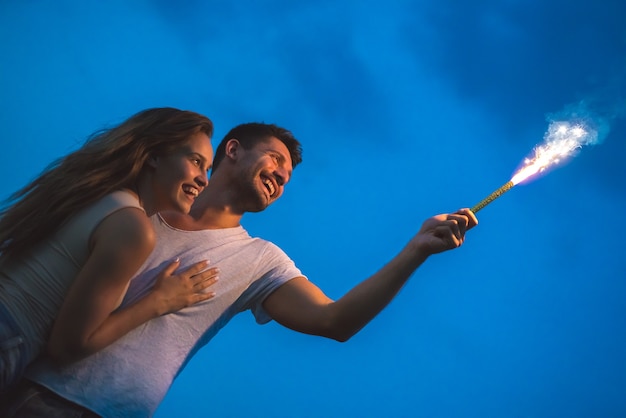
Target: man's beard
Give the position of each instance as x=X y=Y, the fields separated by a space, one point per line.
x=252 y=198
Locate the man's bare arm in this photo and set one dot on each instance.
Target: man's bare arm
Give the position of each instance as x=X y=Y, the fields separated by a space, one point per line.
x=300 y=305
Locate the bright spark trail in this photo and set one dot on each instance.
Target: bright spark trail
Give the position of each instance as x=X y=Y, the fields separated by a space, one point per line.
x=561 y=141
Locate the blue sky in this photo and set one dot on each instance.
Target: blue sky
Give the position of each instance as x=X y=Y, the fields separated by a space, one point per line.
x=405 y=109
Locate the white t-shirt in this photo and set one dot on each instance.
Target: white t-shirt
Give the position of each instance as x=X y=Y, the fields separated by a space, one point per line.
x=131 y=377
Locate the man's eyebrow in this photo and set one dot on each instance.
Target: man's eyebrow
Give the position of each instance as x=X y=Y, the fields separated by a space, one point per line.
x=283 y=158
x=280 y=154
x=277 y=151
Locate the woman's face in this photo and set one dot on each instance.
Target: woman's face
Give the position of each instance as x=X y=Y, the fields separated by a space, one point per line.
x=181 y=175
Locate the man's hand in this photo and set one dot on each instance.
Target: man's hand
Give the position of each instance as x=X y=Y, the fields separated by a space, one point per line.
x=444 y=232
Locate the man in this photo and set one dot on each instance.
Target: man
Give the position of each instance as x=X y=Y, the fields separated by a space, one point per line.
x=252 y=165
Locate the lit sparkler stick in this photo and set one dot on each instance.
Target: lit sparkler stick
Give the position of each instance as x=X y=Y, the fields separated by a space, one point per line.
x=562 y=140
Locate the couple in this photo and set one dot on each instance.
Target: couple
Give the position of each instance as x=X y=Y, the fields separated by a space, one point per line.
x=250 y=169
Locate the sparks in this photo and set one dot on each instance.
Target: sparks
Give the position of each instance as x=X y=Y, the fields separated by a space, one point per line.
x=562 y=140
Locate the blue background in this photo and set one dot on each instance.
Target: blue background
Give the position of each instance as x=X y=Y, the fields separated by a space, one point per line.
x=405 y=109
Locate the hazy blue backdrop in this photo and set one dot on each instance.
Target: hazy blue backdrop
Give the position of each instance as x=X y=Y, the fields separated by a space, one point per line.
x=405 y=109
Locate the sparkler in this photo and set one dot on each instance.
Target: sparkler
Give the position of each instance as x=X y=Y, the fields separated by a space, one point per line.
x=561 y=141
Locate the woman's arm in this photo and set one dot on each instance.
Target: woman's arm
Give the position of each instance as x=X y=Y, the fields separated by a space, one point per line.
x=88 y=320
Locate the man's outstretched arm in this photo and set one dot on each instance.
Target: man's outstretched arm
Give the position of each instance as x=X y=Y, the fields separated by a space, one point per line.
x=302 y=306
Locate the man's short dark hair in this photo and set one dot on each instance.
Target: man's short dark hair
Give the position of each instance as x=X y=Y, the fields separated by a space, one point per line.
x=250 y=134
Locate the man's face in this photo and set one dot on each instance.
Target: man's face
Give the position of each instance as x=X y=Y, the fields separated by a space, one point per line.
x=265 y=170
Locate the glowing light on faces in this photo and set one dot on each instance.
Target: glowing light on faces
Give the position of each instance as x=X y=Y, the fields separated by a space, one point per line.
x=562 y=141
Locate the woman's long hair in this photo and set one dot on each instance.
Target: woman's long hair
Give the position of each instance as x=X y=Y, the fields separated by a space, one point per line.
x=110 y=160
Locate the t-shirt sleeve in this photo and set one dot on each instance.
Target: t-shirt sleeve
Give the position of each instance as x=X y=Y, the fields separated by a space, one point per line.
x=276 y=269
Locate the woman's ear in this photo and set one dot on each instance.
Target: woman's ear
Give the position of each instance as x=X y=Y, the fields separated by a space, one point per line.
x=153 y=161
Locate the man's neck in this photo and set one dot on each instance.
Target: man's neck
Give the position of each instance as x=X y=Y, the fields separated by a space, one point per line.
x=212 y=211
x=202 y=216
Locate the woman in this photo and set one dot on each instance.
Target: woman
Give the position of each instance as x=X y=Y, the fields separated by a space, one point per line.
x=72 y=239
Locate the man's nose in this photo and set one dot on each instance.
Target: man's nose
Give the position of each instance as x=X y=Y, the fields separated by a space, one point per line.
x=282 y=176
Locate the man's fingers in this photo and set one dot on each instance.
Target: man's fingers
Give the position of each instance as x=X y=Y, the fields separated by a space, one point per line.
x=449 y=232
x=458 y=224
x=472 y=221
